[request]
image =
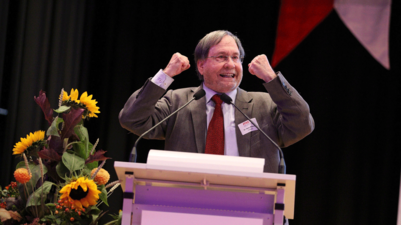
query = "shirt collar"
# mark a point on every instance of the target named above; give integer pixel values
(210, 93)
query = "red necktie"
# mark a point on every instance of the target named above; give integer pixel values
(215, 132)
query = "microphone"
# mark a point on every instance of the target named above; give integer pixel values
(281, 168)
(199, 94)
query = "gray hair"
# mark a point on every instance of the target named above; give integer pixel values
(211, 39)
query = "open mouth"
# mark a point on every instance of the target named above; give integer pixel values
(229, 75)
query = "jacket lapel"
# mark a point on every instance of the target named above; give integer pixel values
(198, 114)
(245, 104)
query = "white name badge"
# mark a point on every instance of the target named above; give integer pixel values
(247, 126)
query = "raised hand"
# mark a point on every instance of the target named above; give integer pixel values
(178, 63)
(261, 68)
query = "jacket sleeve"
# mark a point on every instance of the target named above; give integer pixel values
(144, 109)
(291, 117)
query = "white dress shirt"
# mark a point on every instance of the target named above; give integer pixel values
(230, 139)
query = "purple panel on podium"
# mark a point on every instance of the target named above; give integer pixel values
(207, 199)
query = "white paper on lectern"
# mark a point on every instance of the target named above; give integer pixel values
(196, 161)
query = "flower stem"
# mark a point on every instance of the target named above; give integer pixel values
(36, 207)
(42, 203)
(25, 192)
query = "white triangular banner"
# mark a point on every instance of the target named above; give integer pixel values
(369, 21)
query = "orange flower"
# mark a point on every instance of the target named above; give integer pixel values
(22, 175)
(102, 177)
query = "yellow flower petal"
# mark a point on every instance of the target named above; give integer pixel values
(90, 104)
(84, 202)
(86, 195)
(74, 94)
(65, 96)
(84, 187)
(78, 204)
(27, 142)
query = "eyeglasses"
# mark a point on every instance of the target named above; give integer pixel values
(224, 58)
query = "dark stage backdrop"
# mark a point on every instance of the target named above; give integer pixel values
(348, 169)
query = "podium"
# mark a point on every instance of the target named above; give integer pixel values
(192, 188)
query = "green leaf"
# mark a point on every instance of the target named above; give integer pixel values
(35, 198)
(62, 170)
(51, 205)
(21, 164)
(86, 172)
(92, 165)
(83, 135)
(73, 162)
(53, 129)
(62, 109)
(95, 212)
(116, 219)
(103, 195)
(82, 149)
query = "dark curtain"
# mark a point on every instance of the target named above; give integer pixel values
(348, 169)
(42, 50)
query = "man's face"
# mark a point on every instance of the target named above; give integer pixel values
(225, 76)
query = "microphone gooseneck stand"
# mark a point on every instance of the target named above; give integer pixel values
(199, 94)
(281, 167)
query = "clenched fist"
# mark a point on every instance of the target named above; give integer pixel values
(261, 68)
(178, 63)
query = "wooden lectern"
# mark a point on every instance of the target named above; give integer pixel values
(192, 188)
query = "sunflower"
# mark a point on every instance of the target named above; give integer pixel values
(80, 193)
(31, 140)
(90, 104)
(85, 102)
(72, 97)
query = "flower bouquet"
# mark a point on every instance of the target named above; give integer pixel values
(59, 180)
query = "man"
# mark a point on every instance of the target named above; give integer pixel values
(281, 113)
